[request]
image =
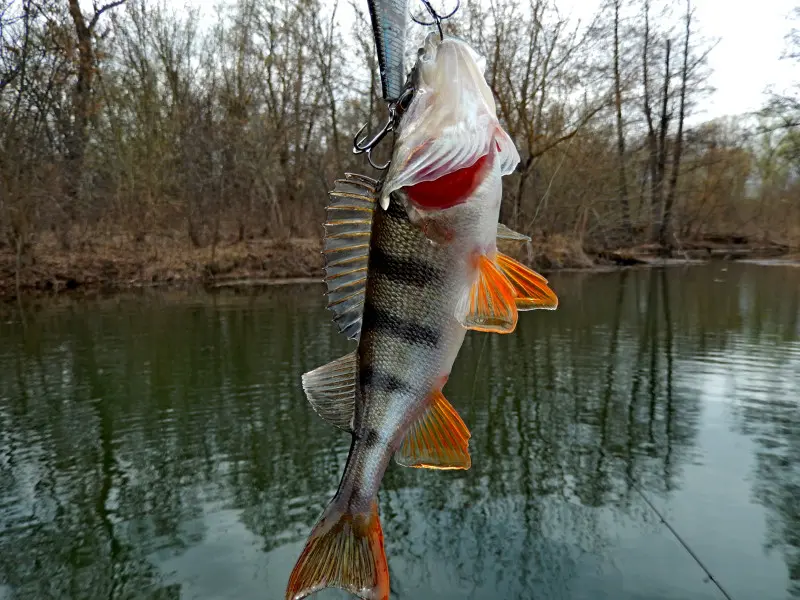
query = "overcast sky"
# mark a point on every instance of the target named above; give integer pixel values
(745, 62)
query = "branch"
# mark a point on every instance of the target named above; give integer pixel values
(7, 78)
(567, 136)
(101, 10)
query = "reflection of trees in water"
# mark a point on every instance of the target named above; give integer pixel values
(584, 400)
(769, 412)
(775, 427)
(120, 427)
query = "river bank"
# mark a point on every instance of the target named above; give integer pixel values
(121, 263)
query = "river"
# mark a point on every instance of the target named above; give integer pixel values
(158, 445)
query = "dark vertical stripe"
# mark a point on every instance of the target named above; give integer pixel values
(404, 270)
(406, 329)
(382, 382)
(372, 438)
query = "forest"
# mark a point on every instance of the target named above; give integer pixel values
(141, 141)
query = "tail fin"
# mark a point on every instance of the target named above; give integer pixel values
(344, 550)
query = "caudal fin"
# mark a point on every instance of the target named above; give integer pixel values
(344, 550)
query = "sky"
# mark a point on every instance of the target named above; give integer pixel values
(747, 58)
(745, 62)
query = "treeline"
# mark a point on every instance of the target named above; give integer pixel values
(134, 119)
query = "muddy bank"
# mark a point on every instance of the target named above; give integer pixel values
(712, 248)
(119, 264)
(111, 266)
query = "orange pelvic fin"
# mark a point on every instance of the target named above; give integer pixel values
(438, 439)
(345, 550)
(530, 288)
(489, 305)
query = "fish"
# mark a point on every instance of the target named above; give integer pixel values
(411, 265)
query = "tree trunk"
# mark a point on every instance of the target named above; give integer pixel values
(652, 144)
(81, 97)
(666, 223)
(82, 94)
(623, 184)
(661, 163)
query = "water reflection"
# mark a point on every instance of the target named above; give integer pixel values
(159, 446)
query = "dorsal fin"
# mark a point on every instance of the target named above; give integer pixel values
(331, 390)
(348, 227)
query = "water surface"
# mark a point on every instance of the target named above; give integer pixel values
(159, 446)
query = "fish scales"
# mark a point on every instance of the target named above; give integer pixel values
(411, 265)
(407, 334)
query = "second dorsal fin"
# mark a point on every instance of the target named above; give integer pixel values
(331, 390)
(348, 228)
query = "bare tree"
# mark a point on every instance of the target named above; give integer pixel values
(82, 95)
(623, 184)
(140, 129)
(666, 223)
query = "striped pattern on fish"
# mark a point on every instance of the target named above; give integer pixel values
(408, 341)
(407, 279)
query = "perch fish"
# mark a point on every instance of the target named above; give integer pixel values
(411, 265)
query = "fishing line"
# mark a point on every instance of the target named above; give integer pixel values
(477, 367)
(437, 18)
(677, 536)
(682, 542)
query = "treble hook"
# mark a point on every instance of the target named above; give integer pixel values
(361, 147)
(396, 109)
(437, 19)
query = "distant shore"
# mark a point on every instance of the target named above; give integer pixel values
(120, 264)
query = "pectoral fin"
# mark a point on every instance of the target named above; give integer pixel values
(489, 304)
(530, 289)
(438, 439)
(509, 235)
(331, 390)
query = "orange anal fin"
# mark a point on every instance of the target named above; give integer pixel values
(489, 305)
(530, 288)
(345, 551)
(438, 439)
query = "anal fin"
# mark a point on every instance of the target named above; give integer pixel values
(438, 439)
(331, 390)
(530, 289)
(489, 304)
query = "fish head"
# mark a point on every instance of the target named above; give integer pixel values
(451, 151)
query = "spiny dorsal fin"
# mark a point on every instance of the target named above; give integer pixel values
(530, 289)
(346, 248)
(331, 390)
(438, 439)
(489, 304)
